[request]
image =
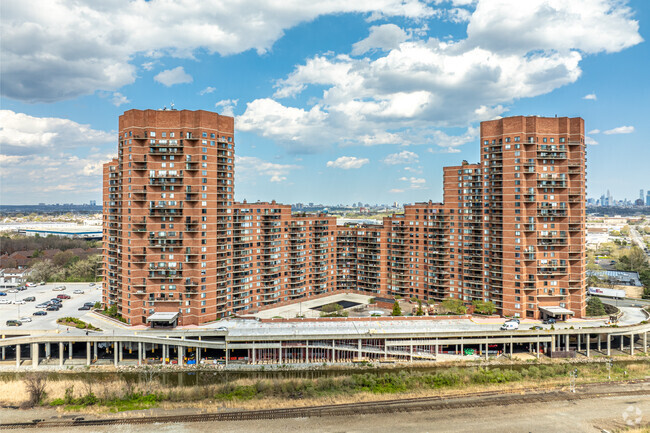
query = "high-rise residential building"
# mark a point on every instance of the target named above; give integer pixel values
(647, 198)
(178, 249)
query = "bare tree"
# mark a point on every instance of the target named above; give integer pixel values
(35, 383)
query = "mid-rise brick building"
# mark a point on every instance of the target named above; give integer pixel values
(178, 248)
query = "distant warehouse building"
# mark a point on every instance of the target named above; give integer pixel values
(72, 232)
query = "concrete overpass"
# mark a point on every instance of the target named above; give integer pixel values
(286, 345)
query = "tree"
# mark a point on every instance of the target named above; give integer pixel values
(35, 384)
(595, 307)
(454, 306)
(420, 311)
(43, 270)
(397, 311)
(482, 307)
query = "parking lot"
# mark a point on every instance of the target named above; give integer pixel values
(70, 307)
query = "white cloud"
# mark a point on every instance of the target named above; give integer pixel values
(169, 77)
(22, 134)
(415, 182)
(148, 66)
(604, 25)
(384, 37)
(227, 106)
(348, 162)
(250, 166)
(60, 49)
(590, 97)
(594, 131)
(298, 129)
(620, 130)
(403, 157)
(207, 90)
(396, 190)
(119, 99)
(591, 141)
(421, 84)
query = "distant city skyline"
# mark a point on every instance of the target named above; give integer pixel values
(338, 103)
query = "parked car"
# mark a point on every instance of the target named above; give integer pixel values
(56, 300)
(25, 319)
(90, 304)
(513, 320)
(12, 291)
(5, 301)
(59, 289)
(63, 296)
(536, 327)
(53, 308)
(84, 307)
(31, 284)
(91, 285)
(43, 305)
(29, 299)
(549, 321)
(78, 292)
(510, 326)
(3, 294)
(40, 313)
(21, 288)
(14, 323)
(19, 302)
(42, 283)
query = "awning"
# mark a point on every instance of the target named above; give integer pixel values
(556, 311)
(162, 317)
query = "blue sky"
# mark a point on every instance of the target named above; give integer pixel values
(335, 101)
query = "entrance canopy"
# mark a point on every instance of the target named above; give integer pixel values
(556, 311)
(163, 319)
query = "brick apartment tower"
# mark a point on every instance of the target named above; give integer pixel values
(534, 213)
(510, 230)
(167, 211)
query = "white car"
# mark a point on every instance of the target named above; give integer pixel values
(5, 301)
(30, 285)
(19, 301)
(78, 292)
(25, 319)
(59, 289)
(12, 291)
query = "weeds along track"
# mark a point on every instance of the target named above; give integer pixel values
(457, 401)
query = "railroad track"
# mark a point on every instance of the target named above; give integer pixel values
(458, 401)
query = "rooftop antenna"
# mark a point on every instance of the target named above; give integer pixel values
(172, 106)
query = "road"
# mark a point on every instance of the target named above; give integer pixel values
(631, 314)
(638, 239)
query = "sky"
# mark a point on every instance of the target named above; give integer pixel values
(334, 101)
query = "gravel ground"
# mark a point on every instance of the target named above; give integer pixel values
(581, 416)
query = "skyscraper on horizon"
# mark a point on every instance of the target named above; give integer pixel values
(179, 250)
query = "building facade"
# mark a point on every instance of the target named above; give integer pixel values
(510, 230)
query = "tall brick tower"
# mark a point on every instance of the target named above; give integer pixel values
(534, 214)
(167, 206)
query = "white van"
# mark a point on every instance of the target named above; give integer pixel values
(510, 326)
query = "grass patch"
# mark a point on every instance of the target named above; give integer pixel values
(76, 323)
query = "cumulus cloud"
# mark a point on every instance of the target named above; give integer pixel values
(403, 157)
(590, 97)
(227, 106)
(620, 130)
(207, 90)
(414, 182)
(594, 131)
(591, 141)
(348, 162)
(418, 85)
(169, 77)
(22, 134)
(119, 99)
(250, 166)
(384, 37)
(44, 59)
